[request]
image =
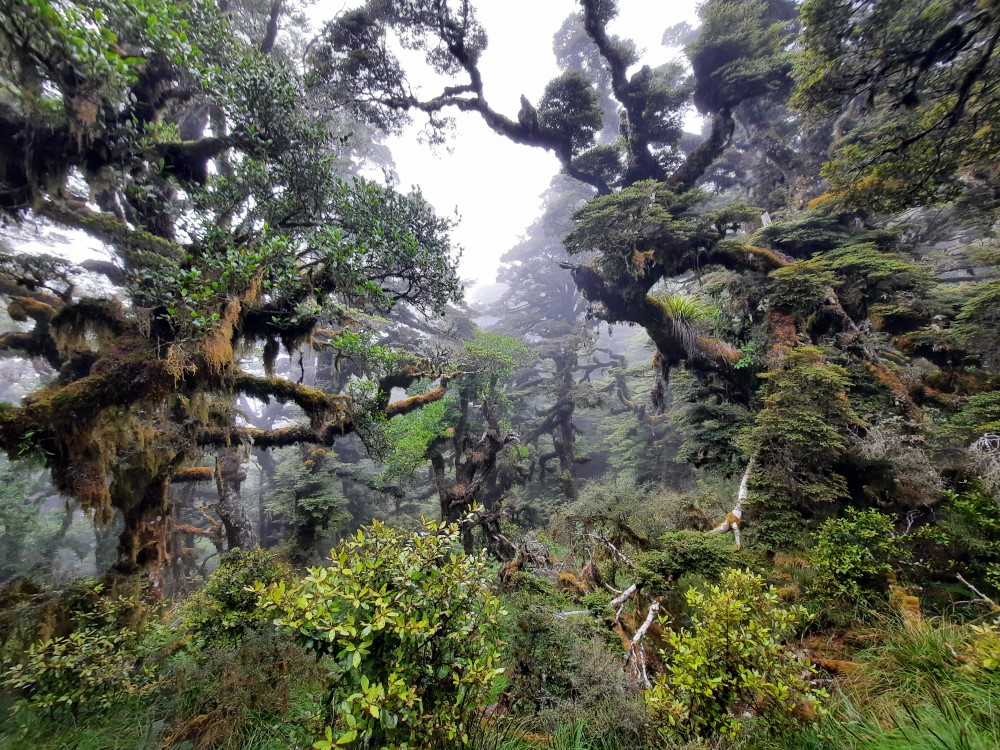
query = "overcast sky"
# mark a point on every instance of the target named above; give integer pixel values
(495, 184)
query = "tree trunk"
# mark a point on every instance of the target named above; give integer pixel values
(229, 475)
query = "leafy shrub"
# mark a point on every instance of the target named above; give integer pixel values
(604, 703)
(224, 693)
(538, 649)
(410, 629)
(852, 555)
(87, 666)
(683, 552)
(226, 607)
(969, 532)
(984, 648)
(732, 661)
(102, 660)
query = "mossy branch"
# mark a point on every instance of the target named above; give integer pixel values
(315, 403)
(139, 248)
(192, 474)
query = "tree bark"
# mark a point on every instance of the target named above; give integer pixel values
(229, 474)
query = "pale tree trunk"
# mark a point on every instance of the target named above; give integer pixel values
(735, 518)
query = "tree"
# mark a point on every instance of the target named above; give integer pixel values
(479, 406)
(541, 306)
(910, 90)
(218, 241)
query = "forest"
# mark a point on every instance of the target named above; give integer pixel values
(712, 462)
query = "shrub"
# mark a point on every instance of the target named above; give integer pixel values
(103, 660)
(984, 648)
(86, 667)
(732, 661)
(683, 552)
(852, 555)
(409, 626)
(226, 607)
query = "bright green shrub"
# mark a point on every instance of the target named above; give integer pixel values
(226, 607)
(683, 552)
(410, 629)
(852, 555)
(733, 660)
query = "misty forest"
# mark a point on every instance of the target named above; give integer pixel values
(711, 460)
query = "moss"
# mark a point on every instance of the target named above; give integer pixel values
(317, 405)
(135, 244)
(24, 308)
(192, 474)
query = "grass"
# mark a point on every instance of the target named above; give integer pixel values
(126, 726)
(914, 689)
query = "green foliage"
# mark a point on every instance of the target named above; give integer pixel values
(539, 646)
(801, 287)
(222, 611)
(709, 429)
(687, 309)
(30, 537)
(869, 272)
(646, 223)
(569, 106)
(853, 555)
(739, 54)
(800, 435)
(567, 669)
(733, 658)
(493, 355)
(86, 36)
(965, 538)
(103, 660)
(980, 413)
(409, 629)
(984, 648)
(979, 320)
(87, 667)
(926, 77)
(684, 552)
(410, 438)
(803, 235)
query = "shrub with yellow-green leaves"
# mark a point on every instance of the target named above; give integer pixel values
(87, 668)
(107, 657)
(852, 556)
(733, 660)
(408, 627)
(984, 648)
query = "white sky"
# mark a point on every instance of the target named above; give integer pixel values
(495, 184)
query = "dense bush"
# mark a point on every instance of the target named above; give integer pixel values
(968, 534)
(411, 632)
(225, 608)
(733, 660)
(852, 555)
(685, 552)
(103, 659)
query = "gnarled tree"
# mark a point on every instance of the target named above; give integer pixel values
(219, 239)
